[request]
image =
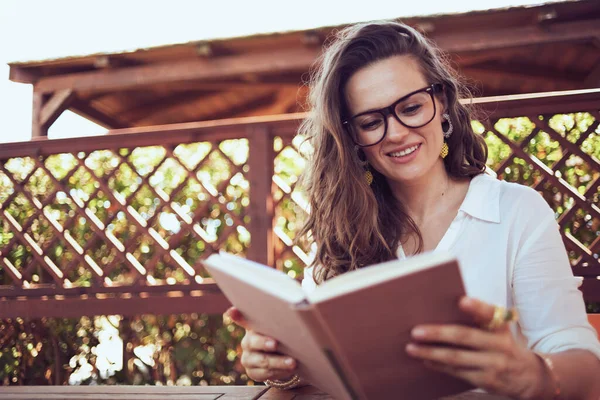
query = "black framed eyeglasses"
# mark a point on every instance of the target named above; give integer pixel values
(413, 110)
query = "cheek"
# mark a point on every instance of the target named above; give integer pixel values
(372, 154)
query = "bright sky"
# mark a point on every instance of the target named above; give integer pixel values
(41, 29)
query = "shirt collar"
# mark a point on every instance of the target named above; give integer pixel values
(483, 198)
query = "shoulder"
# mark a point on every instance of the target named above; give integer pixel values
(493, 200)
(492, 186)
(521, 201)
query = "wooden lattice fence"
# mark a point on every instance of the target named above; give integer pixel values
(118, 224)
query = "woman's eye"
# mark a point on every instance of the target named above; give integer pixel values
(370, 125)
(412, 109)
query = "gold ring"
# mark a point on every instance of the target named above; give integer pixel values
(502, 316)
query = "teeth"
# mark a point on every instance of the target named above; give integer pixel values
(405, 151)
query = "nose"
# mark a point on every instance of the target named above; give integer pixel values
(395, 130)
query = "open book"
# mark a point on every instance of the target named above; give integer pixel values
(349, 334)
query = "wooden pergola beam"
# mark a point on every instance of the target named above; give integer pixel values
(163, 105)
(593, 77)
(241, 108)
(271, 62)
(52, 108)
(524, 73)
(21, 75)
(37, 129)
(465, 59)
(107, 61)
(84, 110)
(203, 107)
(294, 59)
(521, 36)
(286, 101)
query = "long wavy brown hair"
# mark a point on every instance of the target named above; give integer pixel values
(354, 224)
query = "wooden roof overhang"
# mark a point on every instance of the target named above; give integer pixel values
(545, 48)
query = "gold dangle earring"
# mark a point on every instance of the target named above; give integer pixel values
(369, 177)
(447, 133)
(365, 165)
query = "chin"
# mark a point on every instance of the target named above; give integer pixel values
(406, 177)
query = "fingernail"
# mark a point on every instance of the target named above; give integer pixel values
(270, 344)
(289, 362)
(467, 301)
(411, 348)
(418, 333)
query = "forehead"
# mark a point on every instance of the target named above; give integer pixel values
(383, 82)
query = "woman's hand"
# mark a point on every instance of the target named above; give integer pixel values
(491, 360)
(259, 353)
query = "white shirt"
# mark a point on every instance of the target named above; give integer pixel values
(511, 254)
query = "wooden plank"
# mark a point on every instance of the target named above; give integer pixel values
(163, 135)
(465, 59)
(591, 289)
(138, 112)
(21, 75)
(210, 303)
(205, 108)
(523, 73)
(287, 101)
(310, 392)
(260, 161)
(591, 271)
(37, 291)
(305, 392)
(593, 77)
(84, 110)
(52, 108)
(518, 36)
(560, 102)
(37, 129)
(108, 61)
(106, 392)
(271, 62)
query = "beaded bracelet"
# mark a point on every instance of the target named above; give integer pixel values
(289, 384)
(549, 364)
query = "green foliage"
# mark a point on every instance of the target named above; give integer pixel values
(83, 194)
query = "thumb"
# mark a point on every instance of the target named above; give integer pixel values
(236, 316)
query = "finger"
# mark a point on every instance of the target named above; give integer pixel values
(262, 360)
(481, 312)
(261, 375)
(236, 316)
(460, 335)
(453, 357)
(253, 341)
(477, 377)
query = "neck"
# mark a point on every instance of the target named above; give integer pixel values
(421, 197)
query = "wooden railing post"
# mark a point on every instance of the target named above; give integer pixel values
(47, 108)
(260, 161)
(37, 129)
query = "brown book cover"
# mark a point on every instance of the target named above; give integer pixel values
(349, 334)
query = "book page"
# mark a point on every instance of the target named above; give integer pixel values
(372, 275)
(258, 275)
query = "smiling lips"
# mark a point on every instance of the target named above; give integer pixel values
(405, 152)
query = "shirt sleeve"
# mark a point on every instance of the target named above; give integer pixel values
(551, 307)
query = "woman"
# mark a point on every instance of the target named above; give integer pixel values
(385, 111)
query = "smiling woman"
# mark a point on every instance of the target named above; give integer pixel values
(397, 170)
